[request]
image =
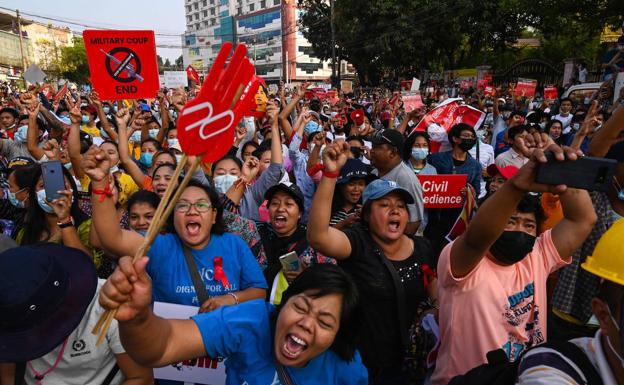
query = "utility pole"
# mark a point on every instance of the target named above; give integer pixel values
(333, 41)
(21, 43)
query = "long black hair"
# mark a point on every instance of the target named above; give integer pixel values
(324, 279)
(35, 224)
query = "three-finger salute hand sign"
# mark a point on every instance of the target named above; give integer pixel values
(206, 124)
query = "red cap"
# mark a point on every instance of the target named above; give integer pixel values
(506, 172)
(358, 117)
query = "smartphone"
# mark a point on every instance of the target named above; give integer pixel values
(290, 261)
(586, 173)
(53, 179)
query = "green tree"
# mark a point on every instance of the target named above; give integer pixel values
(161, 65)
(73, 63)
(179, 63)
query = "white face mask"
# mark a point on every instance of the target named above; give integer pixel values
(223, 183)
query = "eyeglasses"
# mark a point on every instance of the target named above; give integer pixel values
(185, 207)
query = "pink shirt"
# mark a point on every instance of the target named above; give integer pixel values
(493, 307)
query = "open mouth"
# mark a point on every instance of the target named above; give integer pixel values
(193, 228)
(394, 226)
(293, 346)
(280, 220)
(160, 191)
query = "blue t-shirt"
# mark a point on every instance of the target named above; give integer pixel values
(243, 334)
(172, 282)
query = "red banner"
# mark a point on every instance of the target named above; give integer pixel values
(122, 63)
(443, 191)
(526, 87)
(550, 93)
(412, 102)
(192, 74)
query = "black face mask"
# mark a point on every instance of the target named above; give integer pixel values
(357, 152)
(512, 246)
(467, 144)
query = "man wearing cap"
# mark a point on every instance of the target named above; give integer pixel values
(48, 307)
(387, 157)
(599, 359)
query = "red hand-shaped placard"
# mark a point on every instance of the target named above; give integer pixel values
(206, 124)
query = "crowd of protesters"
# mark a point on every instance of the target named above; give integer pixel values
(532, 292)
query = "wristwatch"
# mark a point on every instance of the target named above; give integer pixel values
(67, 223)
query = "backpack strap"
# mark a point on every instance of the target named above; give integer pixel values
(111, 375)
(583, 371)
(200, 288)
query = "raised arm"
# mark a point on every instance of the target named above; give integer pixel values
(116, 241)
(73, 140)
(578, 220)
(491, 219)
(605, 138)
(283, 116)
(323, 238)
(123, 117)
(32, 137)
(164, 117)
(150, 340)
(95, 100)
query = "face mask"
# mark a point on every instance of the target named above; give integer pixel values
(597, 128)
(172, 142)
(113, 169)
(356, 151)
(576, 126)
(543, 125)
(135, 137)
(20, 134)
(141, 232)
(103, 133)
(146, 159)
(512, 246)
(41, 200)
(14, 201)
(106, 110)
(153, 133)
(68, 165)
(178, 158)
(173, 114)
(83, 105)
(223, 183)
(85, 119)
(65, 119)
(467, 144)
(419, 153)
(311, 127)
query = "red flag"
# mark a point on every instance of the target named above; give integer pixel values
(61, 94)
(192, 74)
(464, 218)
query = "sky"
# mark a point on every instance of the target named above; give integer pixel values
(165, 17)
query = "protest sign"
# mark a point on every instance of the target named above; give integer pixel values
(550, 93)
(175, 79)
(443, 191)
(489, 91)
(412, 102)
(415, 85)
(526, 87)
(204, 370)
(273, 88)
(122, 63)
(346, 86)
(34, 74)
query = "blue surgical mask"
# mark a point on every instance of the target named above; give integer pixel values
(106, 110)
(65, 119)
(223, 183)
(21, 133)
(85, 119)
(141, 232)
(419, 153)
(14, 201)
(146, 159)
(172, 142)
(68, 165)
(153, 133)
(135, 137)
(103, 133)
(41, 200)
(311, 127)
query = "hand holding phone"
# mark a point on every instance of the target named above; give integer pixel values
(53, 179)
(586, 173)
(290, 262)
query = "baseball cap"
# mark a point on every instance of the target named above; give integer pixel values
(506, 172)
(391, 137)
(380, 188)
(18, 161)
(289, 188)
(354, 168)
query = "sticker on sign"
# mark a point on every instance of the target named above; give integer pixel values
(122, 63)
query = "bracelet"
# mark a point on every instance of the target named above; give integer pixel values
(236, 302)
(332, 175)
(68, 223)
(314, 169)
(105, 192)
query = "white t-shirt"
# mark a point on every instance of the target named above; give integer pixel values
(82, 362)
(565, 120)
(486, 158)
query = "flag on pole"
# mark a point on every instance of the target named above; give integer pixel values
(192, 74)
(464, 218)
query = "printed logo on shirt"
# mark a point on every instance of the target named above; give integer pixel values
(522, 310)
(275, 381)
(79, 346)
